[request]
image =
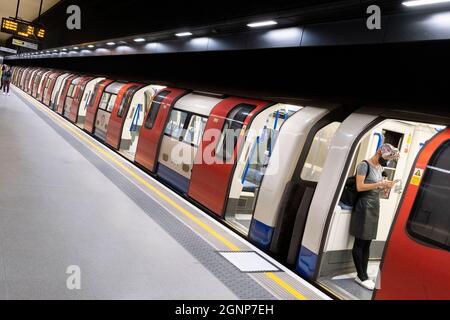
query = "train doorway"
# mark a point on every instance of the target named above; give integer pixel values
(337, 271)
(253, 162)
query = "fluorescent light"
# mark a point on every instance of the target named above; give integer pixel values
(415, 3)
(262, 24)
(139, 40)
(111, 43)
(91, 46)
(64, 49)
(75, 48)
(183, 34)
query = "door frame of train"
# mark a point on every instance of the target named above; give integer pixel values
(437, 140)
(61, 104)
(230, 103)
(379, 115)
(121, 94)
(96, 103)
(282, 242)
(178, 94)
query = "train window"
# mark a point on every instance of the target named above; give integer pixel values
(176, 124)
(104, 100)
(195, 129)
(80, 91)
(93, 97)
(318, 152)
(231, 130)
(154, 108)
(430, 217)
(111, 102)
(126, 100)
(70, 91)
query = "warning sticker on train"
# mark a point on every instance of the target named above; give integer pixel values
(417, 177)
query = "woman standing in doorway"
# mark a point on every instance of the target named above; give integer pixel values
(366, 212)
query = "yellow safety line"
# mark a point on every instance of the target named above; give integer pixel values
(200, 223)
(285, 286)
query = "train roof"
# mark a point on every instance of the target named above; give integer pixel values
(197, 103)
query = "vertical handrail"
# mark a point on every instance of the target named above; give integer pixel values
(135, 121)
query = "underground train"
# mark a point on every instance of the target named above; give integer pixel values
(275, 172)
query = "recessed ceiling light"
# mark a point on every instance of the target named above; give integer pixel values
(91, 46)
(183, 34)
(110, 43)
(64, 49)
(75, 48)
(262, 24)
(139, 40)
(415, 3)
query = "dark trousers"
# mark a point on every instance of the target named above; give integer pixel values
(5, 86)
(361, 254)
(1, 86)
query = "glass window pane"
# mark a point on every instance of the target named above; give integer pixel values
(94, 96)
(430, 217)
(126, 100)
(104, 100)
(231, 130)
(195, 130)
(154, 108)
(176, 123)
(111, 102)
(318, 152)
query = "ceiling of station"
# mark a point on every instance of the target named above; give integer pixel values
(28, 10)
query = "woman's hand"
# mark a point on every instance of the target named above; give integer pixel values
(386, 184)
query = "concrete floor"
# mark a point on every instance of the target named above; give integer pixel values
(57, 209)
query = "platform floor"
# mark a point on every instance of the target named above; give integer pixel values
(65, 200)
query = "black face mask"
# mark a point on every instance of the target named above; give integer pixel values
(383, 162)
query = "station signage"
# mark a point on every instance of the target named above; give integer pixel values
(23, 29)
(25, 44)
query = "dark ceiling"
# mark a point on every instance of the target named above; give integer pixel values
(104, 19)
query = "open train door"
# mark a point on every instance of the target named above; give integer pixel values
(421, 233)
(214, 165)
(151, 134)
(94, 101)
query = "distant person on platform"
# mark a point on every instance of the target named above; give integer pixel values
(6, 80)
(2, 70)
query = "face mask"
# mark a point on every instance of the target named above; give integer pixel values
(383, 162)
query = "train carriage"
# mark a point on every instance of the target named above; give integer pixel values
(40, 87)
(84, 92)
(181, 138)
(422, 227)
(93, 104)
(322, 251)
(49, 87)
(127, 118)
(36, 82)
(151, 133)
(275, 172)
(60, 100)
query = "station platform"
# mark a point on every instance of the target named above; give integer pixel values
(67, 200)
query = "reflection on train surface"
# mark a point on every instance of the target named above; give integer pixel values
(275, 172)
